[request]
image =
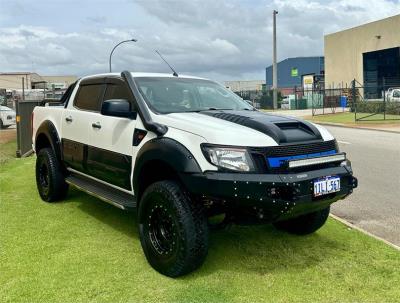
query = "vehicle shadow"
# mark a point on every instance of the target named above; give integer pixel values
(263, 249)
(123, 221)
(259, 249)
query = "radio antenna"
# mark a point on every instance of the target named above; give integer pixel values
(175, 74)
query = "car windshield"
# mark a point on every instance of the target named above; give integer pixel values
(177, 95)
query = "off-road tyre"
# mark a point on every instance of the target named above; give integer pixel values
(50, 179)
(173, 229)
(1, 124)
(305, 224)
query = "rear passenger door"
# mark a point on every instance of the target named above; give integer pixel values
(75, 124)
(110, 149)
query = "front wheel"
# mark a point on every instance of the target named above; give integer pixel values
(173, 229)
(305, 224)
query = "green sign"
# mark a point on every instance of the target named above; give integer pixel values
(294, 72)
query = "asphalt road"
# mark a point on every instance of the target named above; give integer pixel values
(375, 204)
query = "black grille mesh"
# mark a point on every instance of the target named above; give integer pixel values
(295, 149)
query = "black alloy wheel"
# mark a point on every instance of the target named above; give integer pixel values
(173, 229)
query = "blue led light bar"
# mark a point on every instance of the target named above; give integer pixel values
(278, 161)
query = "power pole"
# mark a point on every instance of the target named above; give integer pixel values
(274, 67)
(23, 89)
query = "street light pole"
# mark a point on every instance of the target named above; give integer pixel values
(274, 66)
(130, 40)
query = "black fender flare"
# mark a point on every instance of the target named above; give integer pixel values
(48, 129)
(167, 150)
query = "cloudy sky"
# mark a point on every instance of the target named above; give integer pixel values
(223, 40)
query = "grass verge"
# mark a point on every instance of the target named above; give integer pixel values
(348, 118)
(83, 250)
(7, 151)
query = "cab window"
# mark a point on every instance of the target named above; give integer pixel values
(89, 97)
(116, 91)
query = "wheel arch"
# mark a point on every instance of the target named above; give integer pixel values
(47, 136)
(161, 159)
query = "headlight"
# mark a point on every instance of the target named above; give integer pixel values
(231, 158)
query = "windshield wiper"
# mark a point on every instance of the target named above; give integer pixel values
(205, 109)
(215, 108)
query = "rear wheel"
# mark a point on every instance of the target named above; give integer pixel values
(173, 230)
(305, 224)
(50, 179)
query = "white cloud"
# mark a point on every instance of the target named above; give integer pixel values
(217, 39)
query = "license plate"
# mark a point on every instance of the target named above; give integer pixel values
(326, 185)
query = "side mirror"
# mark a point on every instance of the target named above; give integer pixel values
(117, 108)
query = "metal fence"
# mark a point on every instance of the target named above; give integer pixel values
(323, 101)
(371, 102)
(24, 111)
(377, 101)
(259, 98)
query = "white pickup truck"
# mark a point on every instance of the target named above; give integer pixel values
(181, 150)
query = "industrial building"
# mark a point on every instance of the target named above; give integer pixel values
(368, 53)
(244, 85)
(31, 80)
(32, 86)
(292, 70)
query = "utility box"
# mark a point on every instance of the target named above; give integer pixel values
(343, 101)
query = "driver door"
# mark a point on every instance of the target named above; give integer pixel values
(110, 147)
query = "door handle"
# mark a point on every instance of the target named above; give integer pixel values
(96, 125)
(68, 119)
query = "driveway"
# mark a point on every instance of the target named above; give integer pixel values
(8, 134)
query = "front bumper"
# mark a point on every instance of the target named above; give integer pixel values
(274, 196)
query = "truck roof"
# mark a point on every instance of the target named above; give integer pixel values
(141, 74)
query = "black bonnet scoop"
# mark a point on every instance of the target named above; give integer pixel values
(282, 129)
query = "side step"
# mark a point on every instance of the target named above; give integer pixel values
(102, 191)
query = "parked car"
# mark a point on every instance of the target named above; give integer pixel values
(180, 150)
(285, 103)
(393, 94)
(7, 117)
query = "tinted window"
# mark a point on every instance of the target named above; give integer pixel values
(116, 91)
(89, 97)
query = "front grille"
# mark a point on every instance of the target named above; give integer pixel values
(295, 149)
(260, 154)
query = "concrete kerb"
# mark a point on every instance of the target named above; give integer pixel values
(352, 226)
(357, 127)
